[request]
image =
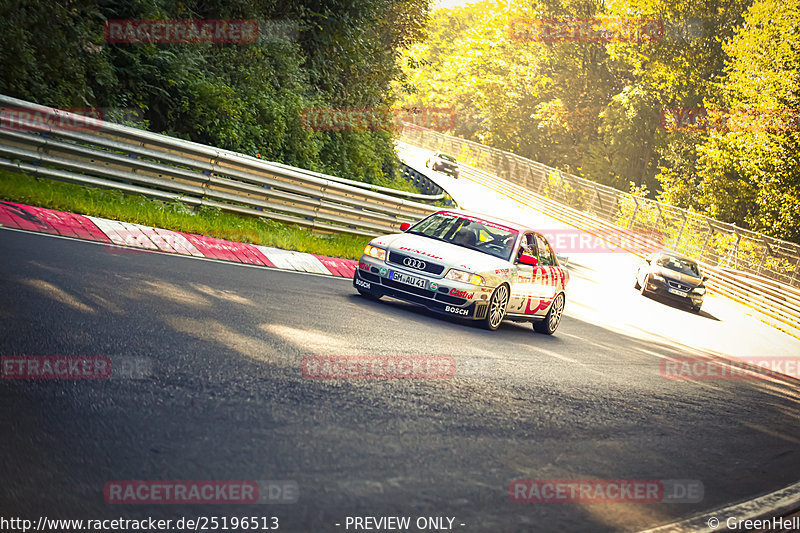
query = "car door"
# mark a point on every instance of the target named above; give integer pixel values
(522, 282)
(548, 278)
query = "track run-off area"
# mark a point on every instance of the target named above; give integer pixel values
(222, 395)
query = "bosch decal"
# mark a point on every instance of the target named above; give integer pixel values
(364, 284)
(456, 310)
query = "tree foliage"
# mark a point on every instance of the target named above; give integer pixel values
(247, 97)
(597, 108)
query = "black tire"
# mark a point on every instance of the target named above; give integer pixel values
(552, 319)
(497, 308)
(636, 285)
(696, 310)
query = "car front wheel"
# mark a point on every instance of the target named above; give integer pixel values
(551, 321)
(497, 308)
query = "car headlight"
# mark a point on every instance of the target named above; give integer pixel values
(699, 290)
(374, 251)
(657, 277)
(465, 277)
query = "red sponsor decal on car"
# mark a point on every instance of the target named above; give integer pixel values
(420, 252)
(502, 271)
(461, 294)
(363, 266)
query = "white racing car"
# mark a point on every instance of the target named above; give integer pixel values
(469, 266)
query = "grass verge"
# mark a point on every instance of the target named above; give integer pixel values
(112, 204)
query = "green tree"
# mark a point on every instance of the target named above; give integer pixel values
(749, 167)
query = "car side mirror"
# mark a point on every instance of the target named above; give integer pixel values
(647, 260)
(705, 278)
(526, 259)
(404, 226)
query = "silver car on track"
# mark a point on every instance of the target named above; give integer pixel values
(468, 266)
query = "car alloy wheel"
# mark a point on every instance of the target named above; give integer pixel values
(497, 307)
(550, 323)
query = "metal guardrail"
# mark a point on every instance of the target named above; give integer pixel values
(111, 155)
(711, 241)
(424, 182)
(530, 182)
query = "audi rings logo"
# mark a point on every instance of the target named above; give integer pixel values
(410, 262)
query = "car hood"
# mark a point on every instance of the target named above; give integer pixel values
(445, 253)
(677, 276)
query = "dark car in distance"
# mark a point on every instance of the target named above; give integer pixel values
(444, 163)
(673, 276)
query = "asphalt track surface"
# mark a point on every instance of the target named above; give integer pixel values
(225, 400)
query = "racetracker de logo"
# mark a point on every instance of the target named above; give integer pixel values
(606, 490)
(181, 31)
(698, 119)
(605, 29)
(567, 241)
(377, 118)
(66, 119)
(700, 369)
(55, 367)
(378, 367)
(200, 492)
(75, 367)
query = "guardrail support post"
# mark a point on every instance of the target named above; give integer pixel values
(680, 233)
(635, 210)
(705, 242)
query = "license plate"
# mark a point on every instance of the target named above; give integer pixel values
(677, 292)
(408, 280)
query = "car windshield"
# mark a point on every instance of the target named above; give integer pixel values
(684, 266)
(469, 232)
(447, 158)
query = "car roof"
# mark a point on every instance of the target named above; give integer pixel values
(676, 255)
(502, 221)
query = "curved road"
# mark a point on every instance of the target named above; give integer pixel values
(225, 399)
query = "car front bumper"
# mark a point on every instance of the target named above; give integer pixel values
(662, 288)
(373, 276)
